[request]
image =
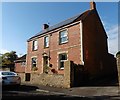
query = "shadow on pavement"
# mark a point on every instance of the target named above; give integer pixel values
(62, 97)
(19, 88)
(101, 82)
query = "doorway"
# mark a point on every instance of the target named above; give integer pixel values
(45, 64)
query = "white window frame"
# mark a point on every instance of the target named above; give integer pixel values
(35, 45)
(62, 60)
(64, 36)
(46, 41)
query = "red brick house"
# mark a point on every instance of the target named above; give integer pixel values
(81, 39)
(20, 64)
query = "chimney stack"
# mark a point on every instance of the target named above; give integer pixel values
(92, 5)
(45, 26)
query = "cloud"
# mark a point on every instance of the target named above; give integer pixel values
(2, 51)
(113, 46)
(112, 32)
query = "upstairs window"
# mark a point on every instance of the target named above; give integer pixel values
(46, 42)
(62, 59)
(63, 36)
(35, 45)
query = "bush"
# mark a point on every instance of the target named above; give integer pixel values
(54, 71)
(34, 68)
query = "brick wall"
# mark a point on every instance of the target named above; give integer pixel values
(94, 44)
(19, 68)
(98, 62)
(72, 48)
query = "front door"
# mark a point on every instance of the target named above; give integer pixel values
(45, 64)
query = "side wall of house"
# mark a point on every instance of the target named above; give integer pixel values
(72, 48)
(95, 45)
(19, 68)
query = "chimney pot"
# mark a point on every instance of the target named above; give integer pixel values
(45, 26)
(92, 5)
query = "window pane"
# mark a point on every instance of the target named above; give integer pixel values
(35, 45)
(62, 58)
(23, 64)
(63, 36)
(64, 39)
(8, 73)
(46, 41)
(34, 61)
(61, 64)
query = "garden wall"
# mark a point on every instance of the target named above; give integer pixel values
(44, 79)
(72, 77)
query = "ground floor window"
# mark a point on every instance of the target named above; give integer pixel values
(62, 59)
(23, 64)
(34, 63)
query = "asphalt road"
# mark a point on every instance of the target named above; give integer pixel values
(37, 93)
(33, 93)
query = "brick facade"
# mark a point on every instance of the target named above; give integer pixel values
(20, 64)
(72, 48)
(19, 68)
(87, 45)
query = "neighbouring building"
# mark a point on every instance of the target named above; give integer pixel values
(20, 64)
(81, 39)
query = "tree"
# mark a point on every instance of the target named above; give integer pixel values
(8, 58)
(118, 53)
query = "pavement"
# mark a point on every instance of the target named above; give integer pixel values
(40, 92)
(107, 92)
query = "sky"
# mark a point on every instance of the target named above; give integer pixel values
(22, 20)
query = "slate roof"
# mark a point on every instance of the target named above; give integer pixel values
(63, 23)
(23, 58)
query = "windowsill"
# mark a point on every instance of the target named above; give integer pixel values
(63, 43)
(46, 47)
(35, 50)
(23, 66)
(61, 68)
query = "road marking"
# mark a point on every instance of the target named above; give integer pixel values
(58, 93)
(46, 91)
